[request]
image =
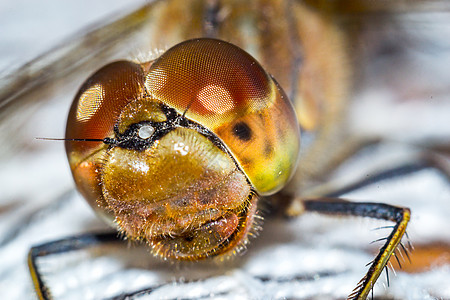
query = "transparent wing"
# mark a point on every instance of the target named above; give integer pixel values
(397, 80)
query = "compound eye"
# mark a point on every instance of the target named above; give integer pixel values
(225, 89)
(213, 80)
(98, 104)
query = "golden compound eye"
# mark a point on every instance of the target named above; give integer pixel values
(223, 88)
(146, 131)
(98, 105)
(93, 115)
(187, 147)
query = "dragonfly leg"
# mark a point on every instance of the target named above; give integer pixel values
(61, 246)
(428, 160)
(340, 207)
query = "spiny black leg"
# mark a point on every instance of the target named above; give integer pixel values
(399, 215)
(294, 207)
(61, 246)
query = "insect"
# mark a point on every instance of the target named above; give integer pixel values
(306, 123)
(164, 141)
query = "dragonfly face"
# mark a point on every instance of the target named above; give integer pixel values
(184, 146)
(312, 71)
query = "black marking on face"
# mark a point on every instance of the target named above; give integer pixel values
(242, 131)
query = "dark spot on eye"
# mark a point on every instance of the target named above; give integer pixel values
(242, 131)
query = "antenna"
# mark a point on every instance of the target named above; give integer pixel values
(105, 140)
(188, 106)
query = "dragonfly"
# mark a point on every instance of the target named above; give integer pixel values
(345, 70)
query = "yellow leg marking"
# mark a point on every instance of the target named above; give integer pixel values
(363, 289)
(41, 293)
